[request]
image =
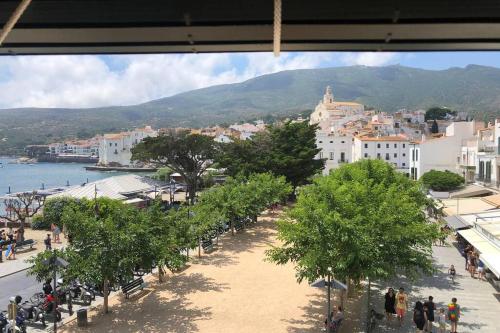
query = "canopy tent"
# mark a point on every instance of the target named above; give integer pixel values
(489, 253)
(470, 191)
(456, 223)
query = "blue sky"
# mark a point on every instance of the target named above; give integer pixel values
(90, 81)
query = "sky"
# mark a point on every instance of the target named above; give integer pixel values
(103, 80)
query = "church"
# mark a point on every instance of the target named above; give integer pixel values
(329, 109)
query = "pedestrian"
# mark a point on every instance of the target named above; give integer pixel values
(452, 273)
(52, 229)
(442, 321)
(472, 265)
(430, 306)
(390, 303)
(57, 232)
(401, 305)
(419, 316)
(47, 242)
(480, 269)
(47, 287)
(10, 254)
(453, 314)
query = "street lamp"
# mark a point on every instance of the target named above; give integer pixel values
(172, 190)
(55, 261)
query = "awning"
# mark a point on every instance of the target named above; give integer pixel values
(489, 254)
(456, 223)
(466, 206)
(470, 191)
(492, 199)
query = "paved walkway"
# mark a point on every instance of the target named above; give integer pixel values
(479, 301)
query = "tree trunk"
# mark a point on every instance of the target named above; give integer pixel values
(105, 290)
(199, 247)
(22, 222)
(232, 227)
(192, 191)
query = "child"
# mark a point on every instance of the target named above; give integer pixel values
(452, 273)
(442, 321)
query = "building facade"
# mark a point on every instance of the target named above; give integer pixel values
(392, 149)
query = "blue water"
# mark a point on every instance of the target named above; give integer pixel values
(26, 177)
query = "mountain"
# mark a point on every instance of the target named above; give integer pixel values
(475, 89)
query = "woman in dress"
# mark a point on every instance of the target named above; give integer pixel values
(390, 303)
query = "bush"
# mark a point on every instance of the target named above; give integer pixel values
(441, 180)
(39, 223)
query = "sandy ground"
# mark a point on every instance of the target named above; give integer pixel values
(229, 290)
(38, 236)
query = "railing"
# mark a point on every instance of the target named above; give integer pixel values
(343, 161)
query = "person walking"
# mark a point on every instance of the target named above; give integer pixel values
(48, 243)
(57, 232)
(453, 314)
(480, 269)
(441, 319)
(430, 307)
(419, 316)
(472, 265)
(452, 273)
(401, 305)
(390, 303)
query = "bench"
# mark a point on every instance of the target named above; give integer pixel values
(133, 286)
(207, 244)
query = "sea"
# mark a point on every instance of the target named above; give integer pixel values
(35, 176)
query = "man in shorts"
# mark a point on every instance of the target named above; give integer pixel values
(401, 305)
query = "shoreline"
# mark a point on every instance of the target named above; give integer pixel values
(124, 169)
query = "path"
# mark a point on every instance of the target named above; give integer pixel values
(479, 300)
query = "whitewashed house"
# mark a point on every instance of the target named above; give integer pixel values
(115, 149)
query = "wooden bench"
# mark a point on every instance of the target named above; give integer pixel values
(207, 244)
(133, 286)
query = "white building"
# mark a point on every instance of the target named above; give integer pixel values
(329, 109)
(393, 149)
(441, 153)
(115, 149)
(336, 149)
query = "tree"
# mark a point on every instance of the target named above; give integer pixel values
(286, 150)
(52, 212)
(434, 127)
(22, 206)
(441, 180)
(188, 154)
(104, 241)
(438, 113)
(364, 220)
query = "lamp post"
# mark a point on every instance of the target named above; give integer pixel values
(329, 286)
(172, 190)
(55, 261)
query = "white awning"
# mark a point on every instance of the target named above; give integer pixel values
(489, 254)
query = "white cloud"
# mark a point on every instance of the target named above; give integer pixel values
(88, 81)
(370, 58)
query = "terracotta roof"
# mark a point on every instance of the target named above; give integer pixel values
(114, 136)
(348, 103)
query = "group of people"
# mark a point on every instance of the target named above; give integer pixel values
(473, 263)
(8, 241)
(424, 317)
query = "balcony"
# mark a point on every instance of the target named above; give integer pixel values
(343, 161)
(488, 149)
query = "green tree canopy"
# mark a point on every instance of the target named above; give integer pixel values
(441, 180)
(188, 154)
(438, 113)
(287, 149)
(364, 220)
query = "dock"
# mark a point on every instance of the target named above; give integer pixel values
(122, 169)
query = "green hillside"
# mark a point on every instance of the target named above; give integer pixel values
(475, 89)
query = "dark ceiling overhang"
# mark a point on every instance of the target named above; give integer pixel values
(154, 26)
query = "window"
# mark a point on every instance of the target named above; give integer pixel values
(321, 155)
(366, 145)
(404, 145)
(386, 145)
(331, 155)
(404, 154)
(404, 164)
(116, 144)
(366, 155)
(321, 142)
(395, 155)
(395, 145)
(378, 156)
(110, 144)
(116, 151)
(416, 155)
(378, 145)
(387, 156)
(342, 141)
(342, 157)
(331, 141)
